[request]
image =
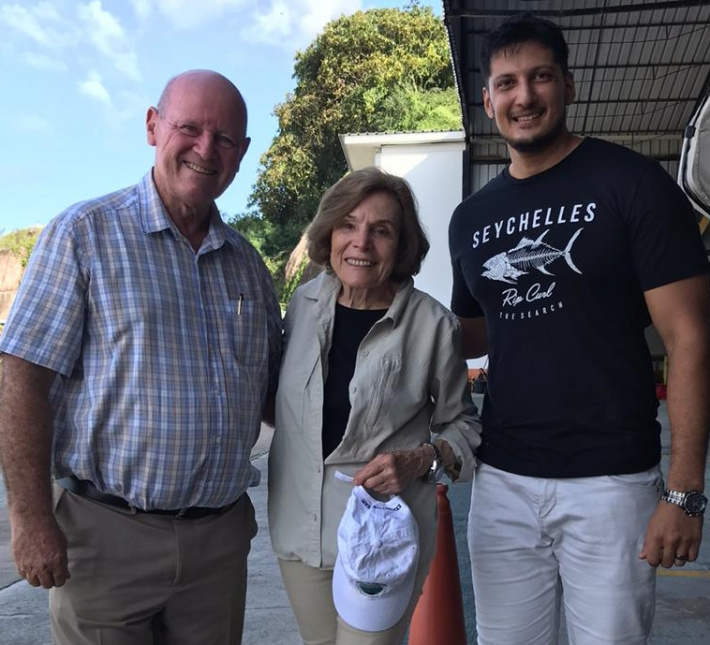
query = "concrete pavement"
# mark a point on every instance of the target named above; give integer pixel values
(682, 608)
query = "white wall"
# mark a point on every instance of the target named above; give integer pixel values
(435, 174)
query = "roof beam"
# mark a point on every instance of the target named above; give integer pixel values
(689, 64)
(639, 7)
(607, 27)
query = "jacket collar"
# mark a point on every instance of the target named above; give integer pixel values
(324, 290)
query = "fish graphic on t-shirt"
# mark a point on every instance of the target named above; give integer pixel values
(528, 254)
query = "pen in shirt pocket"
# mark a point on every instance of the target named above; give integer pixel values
(240, 302)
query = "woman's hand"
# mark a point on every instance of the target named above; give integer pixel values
(390, 473)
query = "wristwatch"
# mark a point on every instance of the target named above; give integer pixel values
(693, 502)
(436, 470)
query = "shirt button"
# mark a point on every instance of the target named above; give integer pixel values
(365, 352)
(315, 518)
(218, 440)
(354, 390)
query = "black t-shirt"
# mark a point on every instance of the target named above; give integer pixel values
(558, 264)
(350, 326)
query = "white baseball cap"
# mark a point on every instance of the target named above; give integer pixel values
(378, 554)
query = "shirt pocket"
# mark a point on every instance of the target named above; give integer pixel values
(382, 392)
(250, 342)
(299, 398)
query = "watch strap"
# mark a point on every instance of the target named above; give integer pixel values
(681, 499)
(437, 465)
(673, 497)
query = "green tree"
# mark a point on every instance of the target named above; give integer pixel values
(273, 241)
(374, 71)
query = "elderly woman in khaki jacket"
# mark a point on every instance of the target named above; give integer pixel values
(372, 385)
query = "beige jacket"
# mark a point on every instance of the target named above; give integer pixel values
(409, 381)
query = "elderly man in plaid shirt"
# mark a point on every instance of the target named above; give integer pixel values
(136, 364)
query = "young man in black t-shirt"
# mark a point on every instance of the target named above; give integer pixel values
(559, 264)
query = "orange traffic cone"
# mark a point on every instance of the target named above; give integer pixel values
(438, 618)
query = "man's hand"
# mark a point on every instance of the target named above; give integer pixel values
(671, 533)
(390, 473)
(40, 551)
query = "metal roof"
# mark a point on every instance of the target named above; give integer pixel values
(639, 66)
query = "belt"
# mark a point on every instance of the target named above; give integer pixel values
(84, 488)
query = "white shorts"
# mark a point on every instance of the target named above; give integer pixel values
(530, 539)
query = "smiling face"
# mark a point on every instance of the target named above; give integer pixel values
(199, 136)
(527, 94)
(363, 252)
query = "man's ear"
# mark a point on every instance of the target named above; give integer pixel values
(570, 89)
(243, 150)
(487, 105)
(151, 123)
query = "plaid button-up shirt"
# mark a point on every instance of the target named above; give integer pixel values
(164, 354)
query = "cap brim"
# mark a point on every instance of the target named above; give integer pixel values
(370, 613)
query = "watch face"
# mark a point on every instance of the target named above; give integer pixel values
(695, 503)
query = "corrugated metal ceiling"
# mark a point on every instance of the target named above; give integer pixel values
(639, 67)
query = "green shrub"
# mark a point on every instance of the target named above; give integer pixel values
(20, 243)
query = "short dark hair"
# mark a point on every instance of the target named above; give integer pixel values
(345, 195)
(524, 28)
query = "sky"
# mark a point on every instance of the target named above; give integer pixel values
(79, 75)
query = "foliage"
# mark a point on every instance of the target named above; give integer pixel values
(374, 71)
(413, 110)
(293, 282)
(274, 242)
(20, 243)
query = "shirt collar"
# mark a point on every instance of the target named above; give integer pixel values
(155, 218)
(324, 289)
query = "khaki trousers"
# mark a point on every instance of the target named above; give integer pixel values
(310, 594)
(142, 579)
